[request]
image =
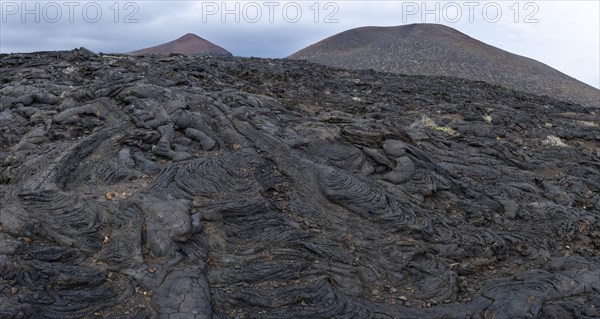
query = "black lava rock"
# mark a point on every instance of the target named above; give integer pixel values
(207, 187)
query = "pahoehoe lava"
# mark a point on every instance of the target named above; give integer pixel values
(220, 187)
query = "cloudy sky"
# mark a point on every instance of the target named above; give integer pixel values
(562, 34)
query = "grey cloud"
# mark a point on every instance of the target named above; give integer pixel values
(162, 21)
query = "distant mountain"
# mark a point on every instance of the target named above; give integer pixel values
(432, 49)
(189, 44)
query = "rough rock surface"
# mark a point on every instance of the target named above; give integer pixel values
(434, 49)
(203, 187)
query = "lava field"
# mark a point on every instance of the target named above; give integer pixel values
(223, 187)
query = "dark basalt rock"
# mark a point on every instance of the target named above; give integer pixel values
(204, 187)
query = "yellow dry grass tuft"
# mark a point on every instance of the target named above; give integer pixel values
(552, 140)
(427, 122)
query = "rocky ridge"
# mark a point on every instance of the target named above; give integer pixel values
(204, 187)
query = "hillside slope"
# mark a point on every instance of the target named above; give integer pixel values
(432, 49)
(189, 44)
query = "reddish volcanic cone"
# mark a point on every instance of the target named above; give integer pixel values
(189, 44)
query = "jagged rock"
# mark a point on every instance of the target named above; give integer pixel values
(281, 189)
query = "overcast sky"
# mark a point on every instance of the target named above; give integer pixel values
(562, 34)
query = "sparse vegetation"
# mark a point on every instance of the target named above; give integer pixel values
(426, 122)
(588, 123)
(552, 140)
